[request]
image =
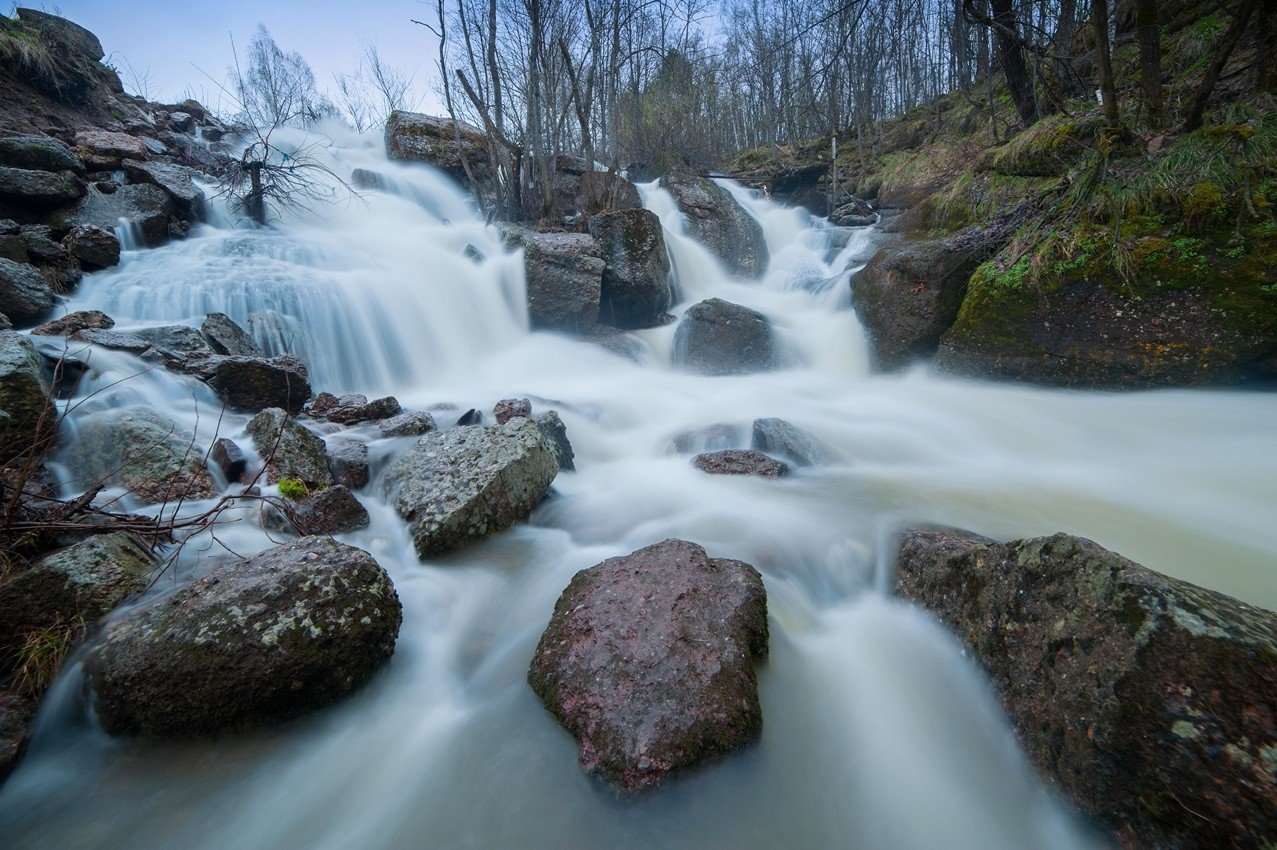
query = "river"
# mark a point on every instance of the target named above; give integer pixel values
(878, 733)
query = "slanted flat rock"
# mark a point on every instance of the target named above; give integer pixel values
(25, 296)
(80, 583)
(459, 485)
(255, 383)
(776, 436)
(29, 419)
(648, 660)
(740, 462)
(719, 223)
(290, 449)
(255, 642)
(141, 451)
(1147, 700)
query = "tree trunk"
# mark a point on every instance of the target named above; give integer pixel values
(1266, 46)
(1148, 34)
(1104, 59)
(1006, 31)
(1197, 110)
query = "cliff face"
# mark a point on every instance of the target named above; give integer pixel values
(1147, 262)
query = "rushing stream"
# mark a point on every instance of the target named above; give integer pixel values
(878, 732)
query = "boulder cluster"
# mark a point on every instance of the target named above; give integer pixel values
(88, 161)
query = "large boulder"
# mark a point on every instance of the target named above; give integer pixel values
(224, 336)
(648, 660)
(637, 285)
(1149, 701)
(25, 296)
(27, 416)
(564, 276)
(39, 190)
(139, 450)
(145, 209)
(78, 584)
(603, 192)
(719, 223)
(290, 629)
(457, 486)
(910, 292)
(1100, 332)
(59, 32)
(94, 247)
(445, 144)
(290, 449)
(176, 180)
(38, 153)
(717, 337)
(255, 383)
(107, 148)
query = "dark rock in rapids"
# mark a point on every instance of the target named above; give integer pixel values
(740, 462)
(230, 459)
(470, 417)
(512, 408)
(255, 383)
(648, 660)
(637, 286)
(290, 449)
(719, 223)
(224, 336)
(556, 435)
(776, 436)
(459, 485)
(77, 321)
(16, 712)
(176, 180)
(93, 247)
(30, 420)
(348, 461)
(333, 510)
(716, 337)
(414, 423)
(1147, 700)
(25, 295)
(141, 451)
(564, 276)
(79, 583)
(251, 643)
(910, 292)
(147, 208)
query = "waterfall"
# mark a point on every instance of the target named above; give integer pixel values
(879, 731)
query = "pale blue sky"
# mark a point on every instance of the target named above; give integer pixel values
(172, 38)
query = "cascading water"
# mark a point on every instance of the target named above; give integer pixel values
(879, 733)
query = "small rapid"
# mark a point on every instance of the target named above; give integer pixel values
(878, 732)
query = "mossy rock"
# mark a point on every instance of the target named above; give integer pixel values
(1049, 148)
(1183, 311)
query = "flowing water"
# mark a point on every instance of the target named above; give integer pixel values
(879, 732)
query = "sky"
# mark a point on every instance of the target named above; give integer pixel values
(180, 42)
